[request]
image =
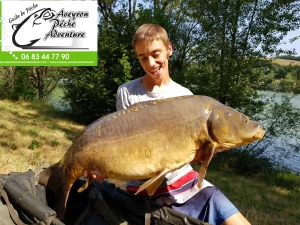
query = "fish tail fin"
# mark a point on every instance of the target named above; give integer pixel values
(50, 177)
(61, 198)
(209, 152)
(54, 179)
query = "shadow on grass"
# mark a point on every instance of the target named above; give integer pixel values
(49, 110)
(33, 116)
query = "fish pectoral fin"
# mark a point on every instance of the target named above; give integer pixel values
(152, 184)
(83, 187)
(89, 180)
(209, 152)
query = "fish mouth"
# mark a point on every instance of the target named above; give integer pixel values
(260, 134)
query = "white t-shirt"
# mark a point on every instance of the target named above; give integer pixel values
(133, 92)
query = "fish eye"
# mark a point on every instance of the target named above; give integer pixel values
(228, 113)
(36, 15)
(244, 119)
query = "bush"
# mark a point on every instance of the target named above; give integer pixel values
(263, 168)
(243, 162)
(22, 88)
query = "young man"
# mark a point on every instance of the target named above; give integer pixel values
(179, 190)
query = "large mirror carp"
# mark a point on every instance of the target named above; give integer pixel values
(150, 139)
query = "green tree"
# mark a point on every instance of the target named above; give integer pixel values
(86, 93)
(289, 57)
(22, 88)
(7, 76)
(44, 79)
(29, 82)
(236, 35)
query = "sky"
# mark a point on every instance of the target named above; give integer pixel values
(295, 44)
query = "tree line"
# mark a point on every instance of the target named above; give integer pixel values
(289, 57)
(221, 49)
(280, 78)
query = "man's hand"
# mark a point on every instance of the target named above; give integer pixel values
(95, 175)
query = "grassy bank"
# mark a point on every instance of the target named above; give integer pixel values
(262, 200)
(32, 133)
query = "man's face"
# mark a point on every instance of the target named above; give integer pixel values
(153, 56)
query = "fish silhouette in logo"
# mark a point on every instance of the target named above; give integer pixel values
(33, 28)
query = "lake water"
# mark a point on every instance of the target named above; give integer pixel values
(291, 161)
(278, 96)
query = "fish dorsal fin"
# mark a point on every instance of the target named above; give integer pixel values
(152, 184)
(209, 152)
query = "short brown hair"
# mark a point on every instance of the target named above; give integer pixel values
(150, 32)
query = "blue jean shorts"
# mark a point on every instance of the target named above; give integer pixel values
(209, 205)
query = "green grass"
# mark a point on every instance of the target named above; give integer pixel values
(269, 196)
(260, 202)
(32, 133)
